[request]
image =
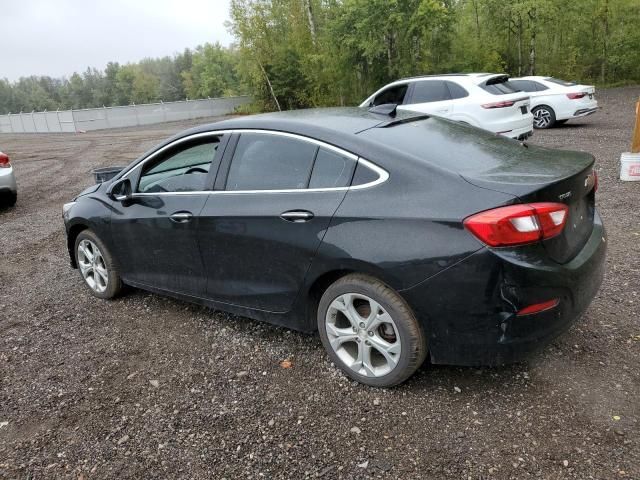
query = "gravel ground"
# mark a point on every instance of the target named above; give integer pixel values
(149, 387)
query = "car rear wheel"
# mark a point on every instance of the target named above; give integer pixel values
(370, 332)
(543, 117)
(97, 266)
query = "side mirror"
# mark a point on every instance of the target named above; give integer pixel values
(120, 191)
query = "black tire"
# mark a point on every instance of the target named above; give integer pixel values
(411, 337)
(114, 282)
(8, 199)
(543, 117)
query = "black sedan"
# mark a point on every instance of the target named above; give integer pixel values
(396, 236)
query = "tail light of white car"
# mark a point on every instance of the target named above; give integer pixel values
(4, 160)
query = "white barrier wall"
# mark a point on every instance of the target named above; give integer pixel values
(116, 117)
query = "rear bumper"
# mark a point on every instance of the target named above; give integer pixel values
(469, 310)
(583, 112)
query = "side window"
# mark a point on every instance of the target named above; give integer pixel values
(538, 86)
(331, 170)
(426, 91)
(393, 94)
(456, 90)
(363, 175)
(521, 85)
(270, 162)
(182, 170)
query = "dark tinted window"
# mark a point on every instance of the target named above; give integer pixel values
(331, 170)
(539, 87)
(523, 85)
(391, 95)
(270, 162)
(363, 175)
(430, 91)
(184, 170)
(499, 86)
(557, 81)
(456, 90)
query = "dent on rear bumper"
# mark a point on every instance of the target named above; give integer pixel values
(469, 311)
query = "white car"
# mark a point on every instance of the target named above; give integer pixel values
(484, 100)
(8, 187)
(556, 101)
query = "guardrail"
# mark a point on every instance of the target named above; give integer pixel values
(116, 117)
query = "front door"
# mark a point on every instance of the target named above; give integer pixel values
(155, 234)
(259, 234)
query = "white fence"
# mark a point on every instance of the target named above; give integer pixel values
(116, 117)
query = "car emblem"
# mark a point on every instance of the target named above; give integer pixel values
(564, 196)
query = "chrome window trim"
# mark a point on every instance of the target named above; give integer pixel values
(383, 175)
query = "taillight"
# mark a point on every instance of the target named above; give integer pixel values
(576, 96)
(518, 224)
(4, 160)
(504, 104)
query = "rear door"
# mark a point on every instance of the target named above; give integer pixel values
(430, 96)
(261, 228)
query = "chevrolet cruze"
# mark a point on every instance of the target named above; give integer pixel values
(397, 236)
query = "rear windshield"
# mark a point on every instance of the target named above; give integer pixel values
(557, 81)
(499, 86)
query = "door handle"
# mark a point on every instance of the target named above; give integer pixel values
(181, 217)
(297, 216)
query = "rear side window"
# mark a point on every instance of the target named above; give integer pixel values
(393, 94)
(270, 162)
(363, 175)
(456, 90)
(426, 91)
(331, 170)
(499, 86)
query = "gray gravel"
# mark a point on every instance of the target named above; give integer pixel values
(149, 387)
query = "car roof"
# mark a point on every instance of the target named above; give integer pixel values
(338, 121)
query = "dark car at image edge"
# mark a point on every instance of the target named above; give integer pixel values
(394, 236)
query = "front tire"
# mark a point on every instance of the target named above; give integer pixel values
(96, 266)
(370, 332)
(543, 117)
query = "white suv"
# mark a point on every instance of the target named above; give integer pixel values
(556, 101)
(483, 100)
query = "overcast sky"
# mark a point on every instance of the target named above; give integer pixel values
(59, 37)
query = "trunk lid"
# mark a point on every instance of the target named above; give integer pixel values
(544, 175)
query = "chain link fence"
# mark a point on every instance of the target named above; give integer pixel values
(117, 117)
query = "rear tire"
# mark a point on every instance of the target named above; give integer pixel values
(370, 332)
(8, 199)
(96, 265)
(543, 117)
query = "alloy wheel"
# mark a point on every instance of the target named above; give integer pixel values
(363, 335)
(541, 118)
(92, 266)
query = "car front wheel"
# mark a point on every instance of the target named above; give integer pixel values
(96, 266)
(543, 117)
(370, 332)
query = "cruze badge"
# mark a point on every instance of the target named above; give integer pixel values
(564, 196)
